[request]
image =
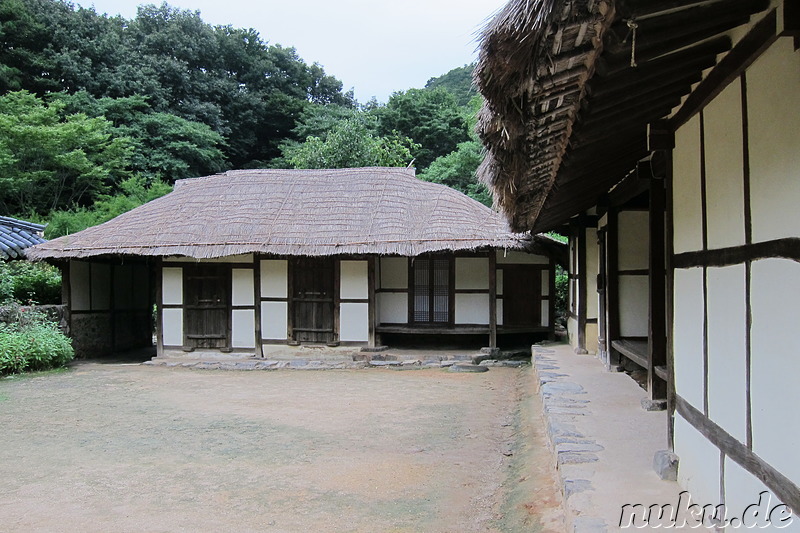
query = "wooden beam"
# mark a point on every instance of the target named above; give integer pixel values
(783, 488)
(657, 322)
(746, 51)
(660, 136)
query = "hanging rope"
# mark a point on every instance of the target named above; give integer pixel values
(632, 26)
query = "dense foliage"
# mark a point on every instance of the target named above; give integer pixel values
(37, 283)
(30, 342)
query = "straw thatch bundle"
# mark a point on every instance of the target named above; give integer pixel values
(295, 212)
(534, 61)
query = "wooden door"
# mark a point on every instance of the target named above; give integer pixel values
(522, 295)
(207, 313)
(313, 299)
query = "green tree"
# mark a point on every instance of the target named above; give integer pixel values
(432, 118)
(350, 144)
(457, 82)
(48, 161)
(457, 170)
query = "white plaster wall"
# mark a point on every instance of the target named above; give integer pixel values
(592, 341)
(354, 282)
(80, 285)
(354, 322)
(172, 321)
(633, 306)
(243, 286)
(241, 258)
(698, 469)
(499, 282)
(743, 489)
(724, 168)
(687, 335)
(274, 320)
(686, 198)
(634, 239)
(506, 257)
(274, 279)
(101, 287)
(472, 273)
(727, 366)
(774, 114)
(172, 286)
(393, 308)
(243, 328)
(499, 304)
(545, 313)
(472, 309)
(592, 269)
(572, 331)
(546, 283)
(394, 272)
(775, 363)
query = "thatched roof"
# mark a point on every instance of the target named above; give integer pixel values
(295, 212)
(16, 236)
(568, 96)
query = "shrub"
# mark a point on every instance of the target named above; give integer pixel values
(32, 343)
(26, 282)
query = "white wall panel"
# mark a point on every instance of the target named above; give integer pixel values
(500, 312)
(80, 285)
(633, 306)
(394, 272)
(393, 308)
(499, 282)
(274, 321)
(724, 168)
(274, 279)
(688, 335)
(698, 469)
(634, 238)
(727, 365)
(172, 286)
(243, 286)
(592, 269)
(687, 203)
(172, 321)
(775, 374)
(774, 115)
(472, 273)
(546, 282)
(545, 312)
(354, 322)
(354, 282)
(472, 309)
(243, 328)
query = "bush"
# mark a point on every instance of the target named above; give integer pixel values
(26, 282)
(32, 343)
(562, 291)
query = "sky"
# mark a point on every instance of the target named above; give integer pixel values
(375, 47)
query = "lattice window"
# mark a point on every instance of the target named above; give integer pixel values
(431, 290)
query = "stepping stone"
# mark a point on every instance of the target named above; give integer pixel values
(468, 368)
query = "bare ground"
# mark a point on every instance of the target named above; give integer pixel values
(113, 447)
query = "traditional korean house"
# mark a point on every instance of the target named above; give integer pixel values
(239, 260)
(662, 136)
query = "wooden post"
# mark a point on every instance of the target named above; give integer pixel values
(290, 301)
(612, 286)
(257, 304)
(337, 301)
(657, 334)
(66, 295)
(670, 287)
(159, 307)
(492, 298)
(372, 301)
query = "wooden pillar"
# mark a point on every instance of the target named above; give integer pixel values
(337, 302)
(290, 265)
(581, 310)
(372, 311)
(552, 301)
(612, 285)
(66, 294)
(159, 307)
(657, 334)
(493, 299)
(257, 304)
(670, 284)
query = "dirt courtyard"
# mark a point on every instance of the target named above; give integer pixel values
(115, 447)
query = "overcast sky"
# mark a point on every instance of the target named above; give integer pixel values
(374, 46)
